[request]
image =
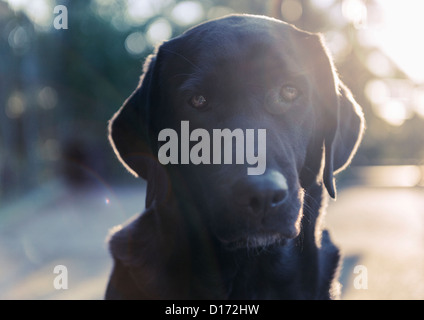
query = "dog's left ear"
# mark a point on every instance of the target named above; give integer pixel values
(342, 137)
(340, 120)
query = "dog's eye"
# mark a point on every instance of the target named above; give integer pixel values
(198, 101)
(289, 93)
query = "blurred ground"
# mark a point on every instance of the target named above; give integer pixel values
(56, 225)
(378, 227)
(383, 230)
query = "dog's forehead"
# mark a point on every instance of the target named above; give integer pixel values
(220, 39)
(242, 25)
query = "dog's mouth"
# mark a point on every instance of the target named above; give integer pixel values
(256, 241)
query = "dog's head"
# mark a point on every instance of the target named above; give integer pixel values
(237, 76)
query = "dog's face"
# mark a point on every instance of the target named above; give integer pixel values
(269, 84)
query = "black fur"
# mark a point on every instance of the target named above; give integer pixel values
(197, 239)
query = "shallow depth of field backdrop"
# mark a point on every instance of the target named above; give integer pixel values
(62, 189)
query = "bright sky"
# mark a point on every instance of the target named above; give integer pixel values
(400, 35)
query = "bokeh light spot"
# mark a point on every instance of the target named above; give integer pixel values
(47, 98)
(159, 31)
(139, 11)
(291, 10)
(187, 12)
(393, 112)
(379, 64)
(390, 100)
(338, 44)
(15, 106)
(40, 12)
(19, 39)
(135, 43)
(377, 91)
(322, 4)
(50, 150)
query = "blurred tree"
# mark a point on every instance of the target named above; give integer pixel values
(58, 88)
(18, 121)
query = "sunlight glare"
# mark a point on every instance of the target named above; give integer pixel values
(39, 11)
(389, 100)
(377, 91)
(378, 64)
(355, 11)
(393, 111)
(397, 33)
(392, 176)
(338, 44)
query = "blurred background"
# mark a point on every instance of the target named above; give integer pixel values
(62, 189)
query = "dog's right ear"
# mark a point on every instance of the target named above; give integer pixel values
(129, 127)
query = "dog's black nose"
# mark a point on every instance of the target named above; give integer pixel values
(259, 194)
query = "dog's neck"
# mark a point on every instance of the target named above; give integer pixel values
(168, 254)
(219, 273)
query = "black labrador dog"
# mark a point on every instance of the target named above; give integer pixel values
(218, 225)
